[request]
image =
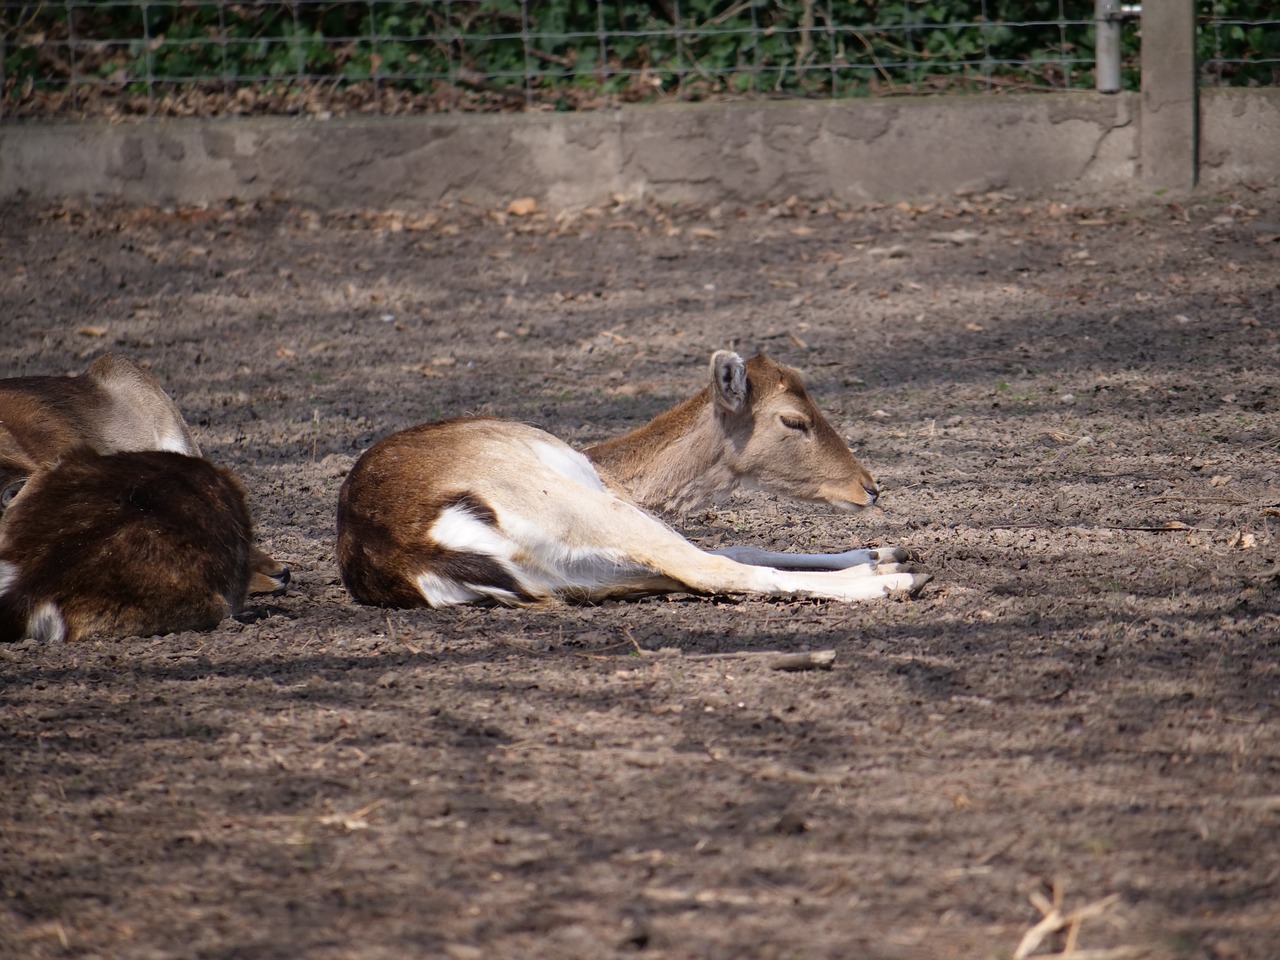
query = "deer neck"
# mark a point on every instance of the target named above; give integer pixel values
(676, 462)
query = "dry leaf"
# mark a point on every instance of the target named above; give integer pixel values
(424, 222)
(522, 207)
(284, 353)
(959, 238)
(705, 233)
(93, 331)
(347, 823)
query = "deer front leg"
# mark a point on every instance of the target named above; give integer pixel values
(813, 561)
(673, 557)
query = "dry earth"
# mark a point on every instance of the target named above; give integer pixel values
(1071, 404)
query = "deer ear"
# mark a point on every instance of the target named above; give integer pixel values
(729, 381)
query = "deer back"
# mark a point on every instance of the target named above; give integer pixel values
(138, 414)
(114, 406)
(754, 425)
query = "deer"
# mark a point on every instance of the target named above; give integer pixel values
(477, 510)
(123, 544)
(115, 406)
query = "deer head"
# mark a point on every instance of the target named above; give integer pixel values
(754, 425)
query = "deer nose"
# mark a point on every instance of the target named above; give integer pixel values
(873, 493)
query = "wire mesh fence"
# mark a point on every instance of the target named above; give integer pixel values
(1239, 43)
(179, 57)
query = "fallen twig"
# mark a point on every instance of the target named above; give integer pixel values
(477, 81)
(1171, 527)
(1235, 501)
(1054, 920)
(773, 659)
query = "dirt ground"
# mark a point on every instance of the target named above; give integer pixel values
(1071, 405)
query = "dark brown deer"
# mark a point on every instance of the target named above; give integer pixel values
(115, 406)
(123, 544)
(484, 511)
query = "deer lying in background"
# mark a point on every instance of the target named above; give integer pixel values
(490, 511)
(123, 544)
(114, 407)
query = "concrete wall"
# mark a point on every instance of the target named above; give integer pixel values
(1239, 135)
(735, 152)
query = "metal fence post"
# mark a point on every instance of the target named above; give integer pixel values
(1108, 17)
(1170, 135)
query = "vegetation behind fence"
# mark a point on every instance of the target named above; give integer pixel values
(148, 57)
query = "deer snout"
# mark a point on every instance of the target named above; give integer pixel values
(852, 496)
(267, 575)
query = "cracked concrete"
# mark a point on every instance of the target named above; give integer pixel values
(731, 152)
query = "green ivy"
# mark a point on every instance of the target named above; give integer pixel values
(694, 48)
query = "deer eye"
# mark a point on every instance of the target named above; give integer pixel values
(793, 422)
(9, 492)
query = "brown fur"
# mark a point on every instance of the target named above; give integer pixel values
(114, 406)
(125, 544)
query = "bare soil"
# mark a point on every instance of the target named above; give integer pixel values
(1070, 404)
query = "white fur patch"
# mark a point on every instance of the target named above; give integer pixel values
(444, 592)
(457, 528)
(547, 565)
(176, 443)
(541, 564)
(46, 624)
(8, 576)
(568, 463)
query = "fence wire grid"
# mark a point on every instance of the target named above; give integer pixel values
(122, 58)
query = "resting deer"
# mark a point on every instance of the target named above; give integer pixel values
(123, 544)
(114, 407)
(490, 511)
